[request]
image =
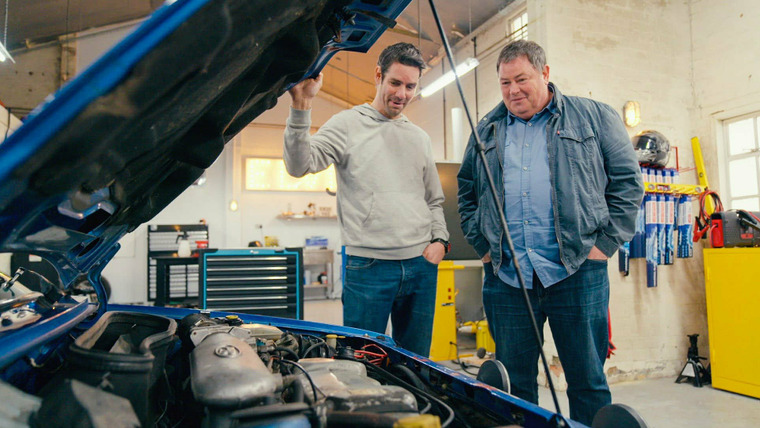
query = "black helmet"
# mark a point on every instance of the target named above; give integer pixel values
(652, 148)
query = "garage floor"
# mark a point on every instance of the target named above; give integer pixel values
(661, 402)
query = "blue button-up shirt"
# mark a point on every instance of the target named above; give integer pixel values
(528, 202)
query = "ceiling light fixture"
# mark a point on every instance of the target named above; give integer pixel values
(468, 65)
(3, 52)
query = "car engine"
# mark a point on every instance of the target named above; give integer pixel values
(139, 369)
(243, 374)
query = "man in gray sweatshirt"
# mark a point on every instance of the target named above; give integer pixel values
(389, 199)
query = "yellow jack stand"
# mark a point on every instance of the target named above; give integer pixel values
(443, 344)
(483, 337)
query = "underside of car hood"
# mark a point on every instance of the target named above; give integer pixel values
(126, 137)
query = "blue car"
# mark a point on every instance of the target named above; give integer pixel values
(108, 152)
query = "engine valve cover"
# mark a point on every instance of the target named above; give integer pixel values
(348, 387)
(226, 372)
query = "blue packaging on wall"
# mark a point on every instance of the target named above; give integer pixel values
(660, 229)
(316, 241)
(669, 248)
(651, 245)
(685, 228)
(637, 248)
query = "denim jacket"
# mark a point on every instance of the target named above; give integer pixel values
(595, 178)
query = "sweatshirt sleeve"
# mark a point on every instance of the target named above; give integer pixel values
(304, 153)
(434, 197)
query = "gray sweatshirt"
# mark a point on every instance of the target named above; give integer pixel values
(389, 194)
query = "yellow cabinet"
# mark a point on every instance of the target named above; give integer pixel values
(732, 280)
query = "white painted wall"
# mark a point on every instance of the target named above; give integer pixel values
(726, 72)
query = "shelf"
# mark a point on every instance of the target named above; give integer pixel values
(681, 189)
(316, 285)
(322, 258)
(305, 217)
(317, 256)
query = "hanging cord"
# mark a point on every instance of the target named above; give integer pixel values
(502, 218)
(64, 49)
(8, 128)
(469, 17)
(702, 223)
(5, 29)
(419, 25)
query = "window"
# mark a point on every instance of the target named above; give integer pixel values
(270, 174)
(518, 27)
(743, 162)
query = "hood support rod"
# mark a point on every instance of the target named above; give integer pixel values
(502, 218)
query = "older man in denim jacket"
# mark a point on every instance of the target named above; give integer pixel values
(570, 185)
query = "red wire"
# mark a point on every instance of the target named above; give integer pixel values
(703, 217)
(379, 357)
(370, 353)
(375, 346)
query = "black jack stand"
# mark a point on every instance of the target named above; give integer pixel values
(693, 370)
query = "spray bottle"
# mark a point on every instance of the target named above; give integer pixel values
(183, 249)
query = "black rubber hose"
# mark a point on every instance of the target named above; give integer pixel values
(297, 394)
(409, 376)
(313, 347)
(395, 380)
(288, 351)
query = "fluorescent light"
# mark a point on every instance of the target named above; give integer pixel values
(4, 54)
(461, 70)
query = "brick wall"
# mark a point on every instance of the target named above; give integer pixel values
(690, 65)
(616, 51)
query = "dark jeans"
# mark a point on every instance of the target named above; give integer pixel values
(373, 289)
(576, 308)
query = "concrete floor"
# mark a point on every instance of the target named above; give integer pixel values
(661, 402)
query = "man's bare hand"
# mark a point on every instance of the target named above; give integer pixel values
(434, 252)
(304, 92)
(486, 258)
(597, 254)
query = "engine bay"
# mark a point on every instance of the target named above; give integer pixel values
(203, 371)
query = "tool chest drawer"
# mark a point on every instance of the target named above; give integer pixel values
(254, 281)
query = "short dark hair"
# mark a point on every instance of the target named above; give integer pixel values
(532, 50)
(403, 53)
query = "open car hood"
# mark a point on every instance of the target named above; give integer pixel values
(121, 141)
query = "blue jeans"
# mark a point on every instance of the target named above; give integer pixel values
(373, 289)
(576, 308)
